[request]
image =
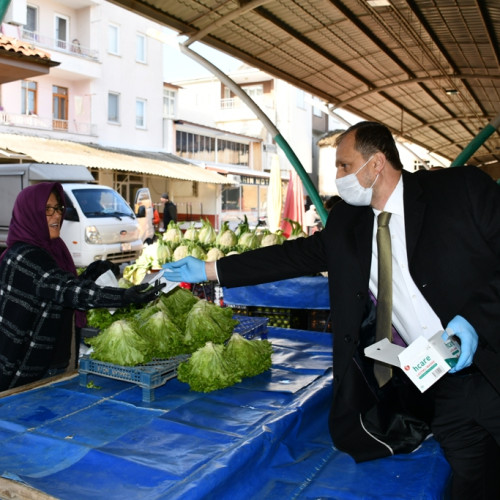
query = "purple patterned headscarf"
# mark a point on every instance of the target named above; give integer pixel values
(29, 223)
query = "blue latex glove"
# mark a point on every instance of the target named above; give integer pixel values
(461, 328)
(188, 270)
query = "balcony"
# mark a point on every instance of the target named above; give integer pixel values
(234, 109)
(76, 61)
(74, 48)
(45, 123)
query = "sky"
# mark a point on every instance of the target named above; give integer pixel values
(178, 66)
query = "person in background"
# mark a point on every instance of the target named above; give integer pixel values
(156, 219)
(40, 291)
(445, 238)
(169, 211)
(331, 202)
(311, 220)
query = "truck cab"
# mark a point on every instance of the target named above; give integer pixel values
(98, 223)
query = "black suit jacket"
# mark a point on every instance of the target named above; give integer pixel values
(452, 224)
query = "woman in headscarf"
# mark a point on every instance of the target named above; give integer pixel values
(40, 290)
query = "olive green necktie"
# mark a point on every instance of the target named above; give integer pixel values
(382, 371)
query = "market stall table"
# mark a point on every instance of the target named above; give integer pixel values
(264, 437)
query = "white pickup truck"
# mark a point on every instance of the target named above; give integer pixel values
(98, 224)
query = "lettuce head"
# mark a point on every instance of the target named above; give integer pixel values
(164, 337)
(208, 322)
(208, 369)
(120, 344)
(251, 356)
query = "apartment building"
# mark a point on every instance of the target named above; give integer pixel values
(107, 92)
(229, 137)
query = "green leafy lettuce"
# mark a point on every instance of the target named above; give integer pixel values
(208, 369)
(164, 338)
(208, 322)
(251, 356)
(177, 303)
(120, 344)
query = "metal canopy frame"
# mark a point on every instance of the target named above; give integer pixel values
(428, 69)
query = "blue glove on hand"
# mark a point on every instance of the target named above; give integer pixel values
(188, 270)
(461, 328)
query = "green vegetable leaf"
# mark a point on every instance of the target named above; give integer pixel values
(251, 356)
(164, 337)
(177, 303)
(208, 322)
(120, 344)
(208, 369)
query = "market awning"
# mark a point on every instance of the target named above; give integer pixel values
(73, 153)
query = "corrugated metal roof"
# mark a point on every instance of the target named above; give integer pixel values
(72, 153)
(392, 64)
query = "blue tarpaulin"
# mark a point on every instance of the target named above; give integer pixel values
(265, 437)
(309, 292)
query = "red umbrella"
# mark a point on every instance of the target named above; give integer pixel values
(294, 203)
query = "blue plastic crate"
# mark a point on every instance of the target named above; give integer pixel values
(147, 376)
(155, 373)
(249, 327)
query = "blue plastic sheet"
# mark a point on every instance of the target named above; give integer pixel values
(298, 293)
(265, 437)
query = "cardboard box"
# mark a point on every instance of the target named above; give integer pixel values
(424, 361)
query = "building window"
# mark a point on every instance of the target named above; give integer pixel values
(254, 90)
(140, 48)
(169, 103)
(113, 39)
(140, 113)
(301, 99)
(31, 26)
(204, 148)
(113, 107)
(317, 107)
(29, 97)
(59, 108)
(61, 32)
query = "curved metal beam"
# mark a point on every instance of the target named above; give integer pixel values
(477, 142)
(376, 90)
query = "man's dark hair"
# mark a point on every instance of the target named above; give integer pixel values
(371, 137)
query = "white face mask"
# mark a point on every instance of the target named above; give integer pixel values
(352, 192)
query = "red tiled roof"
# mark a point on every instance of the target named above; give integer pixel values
(22, 48)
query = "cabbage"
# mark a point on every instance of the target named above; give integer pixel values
(208, 322)
(180, 252)
(196, 251)
(207, 234)
(226, 238)
(242, 227)
(251, 356)
(208, 369)
(214, 254)
(249, 241)
(272, 239)
(163, 254)
(120, 344)
(163, 336)
(173, 233)
(191, 233)
(135, 273)
(297, 231)
(124, 283)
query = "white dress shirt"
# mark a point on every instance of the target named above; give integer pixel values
(412, 316)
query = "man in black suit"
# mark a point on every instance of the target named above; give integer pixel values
(445, 234)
